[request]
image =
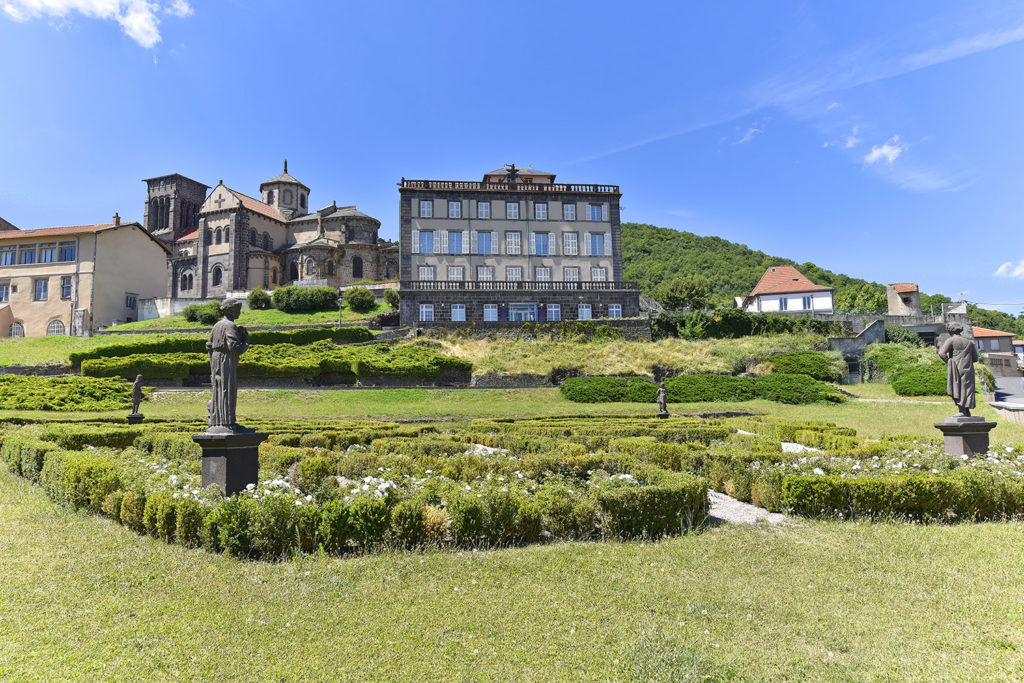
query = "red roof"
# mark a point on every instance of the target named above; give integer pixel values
(785, 280)
(257, 206)
(188, 236)
(904, 287)
(53, 232)
(985, 332)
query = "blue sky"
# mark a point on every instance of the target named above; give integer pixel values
(877, 139)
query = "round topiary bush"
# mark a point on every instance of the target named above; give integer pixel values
(360, 299)
(259, 300)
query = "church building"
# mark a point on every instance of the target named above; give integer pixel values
(227, 241)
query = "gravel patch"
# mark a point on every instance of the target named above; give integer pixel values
(726, 509)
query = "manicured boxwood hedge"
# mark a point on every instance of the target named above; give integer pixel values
(197, 344)
(796, 389)
(827, 367)
(29, 392)
(290, 361)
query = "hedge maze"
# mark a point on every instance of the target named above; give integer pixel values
(356, 486)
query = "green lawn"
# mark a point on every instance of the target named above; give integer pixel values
(252, 318)
(40, 350)
(83, 597)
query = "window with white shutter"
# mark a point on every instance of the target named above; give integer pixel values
(426, 208)
(443, 243)
(495, 244)
(465, 241)
(513, 243)
(415, 241)
(607, 244)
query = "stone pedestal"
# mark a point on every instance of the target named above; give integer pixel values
(663, 415)
(230, 460)
(135, 418)
(965, 435)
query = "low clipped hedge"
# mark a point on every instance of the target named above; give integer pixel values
(289, 361)
(827, 367)
(197, 344)
(29, 392)
(796, 389)
(295, 299)
(920, 380)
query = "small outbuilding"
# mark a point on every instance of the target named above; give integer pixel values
(785, 289)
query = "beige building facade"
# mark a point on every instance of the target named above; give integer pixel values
(74, 280)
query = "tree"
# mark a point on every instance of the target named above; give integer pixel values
(864, 298)
(391, 297)
(683, 292)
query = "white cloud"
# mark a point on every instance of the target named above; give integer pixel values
(852, 140)
(137, 18)
(749, 135)
(831, 106)
(890, 151)
(1011, 269)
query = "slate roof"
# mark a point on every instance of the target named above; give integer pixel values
(904, 287)
(785, 280)
(284, 177)
(984, 333)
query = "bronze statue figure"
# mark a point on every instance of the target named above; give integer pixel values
(136, 394)
(227, 342)
(960, 355)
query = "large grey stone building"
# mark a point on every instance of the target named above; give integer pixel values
(516, 246)
(226, 241)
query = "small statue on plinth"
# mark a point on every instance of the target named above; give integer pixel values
(135, 417)
(227, 342)
(662, 401)
(963, 434)
(231, 453)
(960, 355)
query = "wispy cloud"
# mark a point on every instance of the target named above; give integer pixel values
(852, 140)
(889, 152)
(751, 133)
(139, 19)
(1011, 269)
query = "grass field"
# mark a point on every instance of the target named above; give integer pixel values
(85, 598)
(40, 350)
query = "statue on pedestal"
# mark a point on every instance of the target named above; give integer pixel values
(227, 342)
(662, 400)
(135, 417)
(960, 355)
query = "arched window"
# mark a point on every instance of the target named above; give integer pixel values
(330, 268)
(270, 196)
(153, 210)
(387, 269)
(217, 276)
(351, 235)
(273, 276)
(253, 238)
(184, 283)
(227, 235)
(217, 235)
(302, 200)
(16, 330)
(207, 237)
(286, 196)
(55, 327)
(191, 281)
(357, 267)
(266, 241)
(309, 267)
(293, 271)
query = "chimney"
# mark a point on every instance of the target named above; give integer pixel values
(117, 219)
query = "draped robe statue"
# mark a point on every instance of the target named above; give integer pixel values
(136, 394)
(227, 342)
(662, 399)
(960, 355)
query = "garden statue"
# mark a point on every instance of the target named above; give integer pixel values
(662, 401)
(227, 342)
(135, 417)
(960, 354)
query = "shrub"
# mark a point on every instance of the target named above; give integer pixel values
(654, 510)
(919, 380)
(313, 470)
(159, 516)
(111, 505)
(468, 519)
(827, 367)
(296, 299)
(609, 389)
(371, 520)
(336, 528)
(730, 323)
(894, 334)
(797, 389)
(259, 300)
(28, 392)
(132, 508)
(436, 522)
(391, 298)
(207, 314)
(188, 524)
(82, 479)
(360, 299)
(409, 523)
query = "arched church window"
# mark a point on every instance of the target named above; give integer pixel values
(54, 328)
(286, 196)
(227, 235)
(302, 200)
(270, 196)
(273, 276)
(266, 241)
(357, 267)
(216, 276)
(253, 237)
(183, 286)
(191, 281)
(309, 267)
(207, 237)
(330, 268)
(293, 271)
(217, 236)
(16, 330)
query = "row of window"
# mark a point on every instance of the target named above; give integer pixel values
(40, 289)
(286, 197)
(592, 212)
(55, 327)
(512, 274)
(48, 252)
(784, 303)
(517, 312)
(488, 242)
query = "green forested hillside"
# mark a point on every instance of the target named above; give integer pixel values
(652, 255)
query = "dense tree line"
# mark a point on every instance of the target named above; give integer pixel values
(654, 257)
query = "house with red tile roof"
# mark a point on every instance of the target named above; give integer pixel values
(75, 279)
(231, 242)
(784, 289)
(997, 350)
